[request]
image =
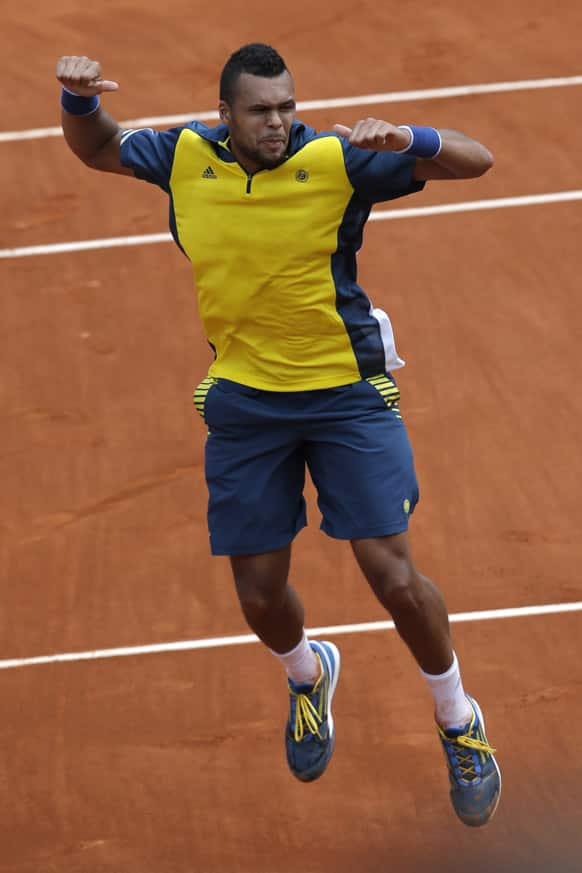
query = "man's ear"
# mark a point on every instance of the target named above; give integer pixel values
(224, 112)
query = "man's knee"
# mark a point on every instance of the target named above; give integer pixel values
(260, 581)
(397, 585)
(255, 598)
(394, 579)
(387, 565)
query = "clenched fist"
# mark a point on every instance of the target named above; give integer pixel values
(83, 76)
(374, 134)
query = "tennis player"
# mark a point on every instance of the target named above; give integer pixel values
(271, 215)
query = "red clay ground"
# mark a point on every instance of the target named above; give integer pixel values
(173, 763)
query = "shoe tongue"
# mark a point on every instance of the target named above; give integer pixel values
(454, 732)
(303, 688)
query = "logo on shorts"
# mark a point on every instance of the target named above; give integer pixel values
(406, 506)
(302, 175)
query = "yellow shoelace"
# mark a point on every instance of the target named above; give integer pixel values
(466, 763)
(307, 717)
(472, 743)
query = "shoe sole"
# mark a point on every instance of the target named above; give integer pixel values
(482, 723)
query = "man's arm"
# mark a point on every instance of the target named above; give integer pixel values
(458, 157)
(94, 137)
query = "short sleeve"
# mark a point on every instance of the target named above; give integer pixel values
(380, 176)
(150, 153)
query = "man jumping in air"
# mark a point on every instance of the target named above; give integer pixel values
(271, 215)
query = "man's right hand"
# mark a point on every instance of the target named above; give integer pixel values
(83, 76)
(95, 138)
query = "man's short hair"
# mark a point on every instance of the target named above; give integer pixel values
(257, 59)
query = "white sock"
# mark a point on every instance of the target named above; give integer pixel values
(452, 709)
(301, 663)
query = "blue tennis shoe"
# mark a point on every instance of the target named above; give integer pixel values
(473, 772)
(309, 735)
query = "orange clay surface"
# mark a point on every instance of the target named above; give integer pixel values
(174, 762)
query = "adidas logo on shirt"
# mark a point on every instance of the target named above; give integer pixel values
(209, 173)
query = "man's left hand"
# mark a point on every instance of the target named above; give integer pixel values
(374, 134)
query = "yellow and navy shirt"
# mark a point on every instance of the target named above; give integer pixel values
(274, 253)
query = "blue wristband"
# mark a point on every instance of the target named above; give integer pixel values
(75, 104)
(425, 142)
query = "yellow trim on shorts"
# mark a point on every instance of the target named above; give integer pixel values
(201, 392)
(388, 390)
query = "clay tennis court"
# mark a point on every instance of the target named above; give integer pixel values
(171, 760)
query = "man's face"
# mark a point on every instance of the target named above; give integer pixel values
(260, 119)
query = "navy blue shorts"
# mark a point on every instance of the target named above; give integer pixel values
(352, 439)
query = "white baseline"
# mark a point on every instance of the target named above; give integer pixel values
(330, 103)
(245, 639)
(378, 215)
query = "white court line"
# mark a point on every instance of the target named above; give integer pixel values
(476, 205)
(86, 245)
(244, 639)
(390, 214)
(331, 103)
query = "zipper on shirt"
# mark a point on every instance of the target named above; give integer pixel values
(250, 177)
